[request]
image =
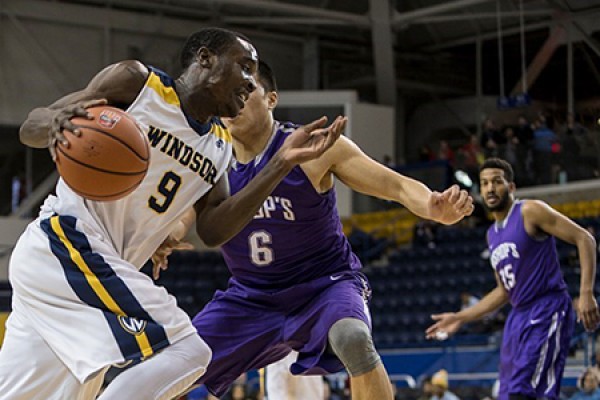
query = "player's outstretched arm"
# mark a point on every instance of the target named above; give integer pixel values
(365, 175)
(116, 84)
(449, 323)
(220, 216)
(541, 218)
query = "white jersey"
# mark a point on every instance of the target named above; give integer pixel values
(186, 160)
(77, 291)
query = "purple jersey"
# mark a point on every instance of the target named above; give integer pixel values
(295, 237)
(528, 267)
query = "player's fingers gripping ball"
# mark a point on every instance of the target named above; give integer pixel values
(109, 159)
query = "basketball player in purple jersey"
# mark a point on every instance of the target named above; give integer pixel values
(296, 283)
(525, 261)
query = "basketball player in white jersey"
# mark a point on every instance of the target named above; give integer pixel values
(80, 303)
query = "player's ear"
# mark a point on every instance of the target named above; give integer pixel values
(204, 57)
(272, 99)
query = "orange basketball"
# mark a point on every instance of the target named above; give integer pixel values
(110, 158)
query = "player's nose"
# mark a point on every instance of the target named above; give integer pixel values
(251, 84)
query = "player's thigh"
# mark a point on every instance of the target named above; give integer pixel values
(242, 334)
(93, 308)
(30, 370)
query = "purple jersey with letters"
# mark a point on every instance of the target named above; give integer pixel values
(528, 267)
(269, 253)
(538, 330)
(294, 276)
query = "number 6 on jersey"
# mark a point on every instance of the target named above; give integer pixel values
(260, 254)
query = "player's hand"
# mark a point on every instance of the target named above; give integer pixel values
(62, 120)
(587, 311)
(311, 140)
(450, 206)
(160, 258)
(447, 324)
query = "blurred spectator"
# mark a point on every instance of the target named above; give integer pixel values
(570, 153)
(543, 140)
(425, 154)
(439, 382)
(471, 158)
(446, 153)
(524, 139)
(489, 137)
(426, 389)
(15, 198)
(510, 149)
(574, 127)
(588, 387)
(424, 234)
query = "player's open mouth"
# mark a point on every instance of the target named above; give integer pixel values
(491, 198)
(243, 96)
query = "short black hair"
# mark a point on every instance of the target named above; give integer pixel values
(499, 164)
(266, 77)
(217, 40)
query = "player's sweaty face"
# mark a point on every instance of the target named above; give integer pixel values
(494, 188)
(234, 79)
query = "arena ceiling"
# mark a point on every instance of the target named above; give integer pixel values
(430, 43)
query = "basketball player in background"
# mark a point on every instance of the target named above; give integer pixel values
(80, 303)
(524, 257)
(281, 384)
(296, 284)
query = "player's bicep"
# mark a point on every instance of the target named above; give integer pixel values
(361, 173)
(539, 215)
(118, 83)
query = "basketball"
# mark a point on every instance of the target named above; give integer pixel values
(110, 158)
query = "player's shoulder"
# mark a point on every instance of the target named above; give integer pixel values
(535, 210)
(120, 82)
(128, 70)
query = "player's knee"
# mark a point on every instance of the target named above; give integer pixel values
(351, 341)
(196, 350)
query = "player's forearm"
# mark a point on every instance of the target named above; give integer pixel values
(219, 224)
(586, 248)
(491, 302)
(415, 196)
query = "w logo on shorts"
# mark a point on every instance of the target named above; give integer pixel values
(132, 325)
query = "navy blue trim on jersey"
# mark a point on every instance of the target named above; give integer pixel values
(112, 284)
(201, 129)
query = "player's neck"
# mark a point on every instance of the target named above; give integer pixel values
(189, 97)
(501, 215)
(249, 146)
